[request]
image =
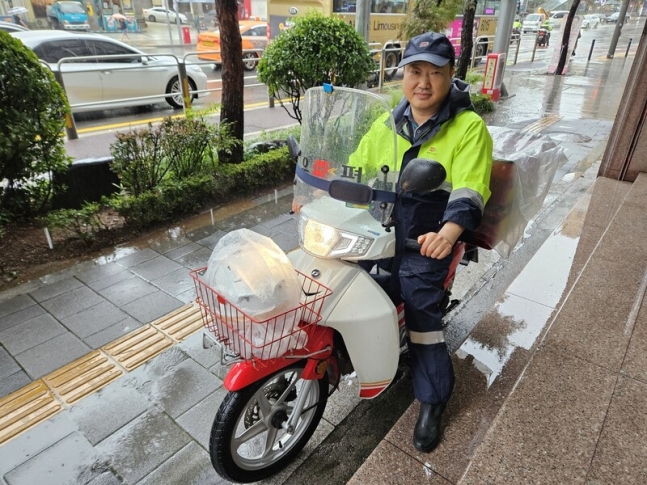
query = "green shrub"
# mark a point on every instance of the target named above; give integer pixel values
(83, 223)
(316, 49)
(175, 149)
(173, 199)
(32, 117)
(482, 103)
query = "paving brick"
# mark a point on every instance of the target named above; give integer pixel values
(28, 334)
(33, 441)
(142, 445)
(71, 460)
(152, 307)
(198, 420)
(94, 319)
(155, 268)
(113, 332)
(8, 365)
(101, 414)
(72, 302)
(13, 382)
(189, 466)
(12, 305)
(55, 289)
(136, 257)
(175, 283)
(181, 387)
(20, 316)
(99, 271)
(126, 291)
(49, 356)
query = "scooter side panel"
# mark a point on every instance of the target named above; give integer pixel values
(364, 316)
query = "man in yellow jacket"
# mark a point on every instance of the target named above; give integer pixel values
(434, 120)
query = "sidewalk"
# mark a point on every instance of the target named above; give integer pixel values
(136, 406)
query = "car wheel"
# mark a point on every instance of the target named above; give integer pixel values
(249, 61)
(390, 65)
(175, 90)
(152, 18)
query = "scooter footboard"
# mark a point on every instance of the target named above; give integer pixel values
(369, 327)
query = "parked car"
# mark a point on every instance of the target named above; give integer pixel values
(158, 14)
(590, 21)
(613, 18)
(532, 22)
(11, 27)
(113, 80)
(254, 35)
(556, 18)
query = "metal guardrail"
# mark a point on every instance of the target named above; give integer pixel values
(180, 64)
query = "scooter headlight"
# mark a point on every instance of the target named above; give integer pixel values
(328, 242)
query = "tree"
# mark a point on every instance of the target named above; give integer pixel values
(565, 49)
(429, 15)
(315, 50)
(32, 117)
(467, 34)
(232, 105)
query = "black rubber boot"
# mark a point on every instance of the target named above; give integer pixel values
(426, 434)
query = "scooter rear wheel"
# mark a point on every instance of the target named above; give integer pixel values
(247, 441)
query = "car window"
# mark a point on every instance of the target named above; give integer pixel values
(259, 31)
(104, 48)
(56, 50)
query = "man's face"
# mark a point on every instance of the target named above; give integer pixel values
(425, 86)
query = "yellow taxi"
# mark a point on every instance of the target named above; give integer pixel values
(254, 35)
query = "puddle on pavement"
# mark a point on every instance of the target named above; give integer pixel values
(520, 317)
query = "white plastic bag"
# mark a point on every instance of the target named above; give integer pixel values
(523, 171)
(252, 273)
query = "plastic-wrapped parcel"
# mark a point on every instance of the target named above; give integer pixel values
(255, 276)
(523, 171)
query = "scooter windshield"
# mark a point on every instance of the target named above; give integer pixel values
(348, 135)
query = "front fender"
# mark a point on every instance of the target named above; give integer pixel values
(245, 373)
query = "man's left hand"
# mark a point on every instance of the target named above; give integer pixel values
(439, 245)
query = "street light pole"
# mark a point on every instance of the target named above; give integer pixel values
(618, 29)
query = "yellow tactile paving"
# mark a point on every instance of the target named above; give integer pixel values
(138, 347)
(542, 123)
(181, 323)
(83, 376)
(26, 408)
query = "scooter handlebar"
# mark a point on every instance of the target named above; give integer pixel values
(412, 244)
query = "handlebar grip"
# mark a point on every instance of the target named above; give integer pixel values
(412, 244)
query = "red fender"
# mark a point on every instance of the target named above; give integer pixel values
(245, 373)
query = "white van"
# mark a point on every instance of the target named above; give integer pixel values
(532, 22)
(556, 18)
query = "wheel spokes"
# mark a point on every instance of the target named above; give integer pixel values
(251, 432)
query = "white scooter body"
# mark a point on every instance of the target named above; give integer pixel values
(358, 308)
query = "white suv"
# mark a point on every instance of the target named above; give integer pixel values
(556, 17)
(532, 22)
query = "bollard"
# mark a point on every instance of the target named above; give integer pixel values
(628, 47)
(70, 126)
(591, 51)
(534, 49)
(184, 83)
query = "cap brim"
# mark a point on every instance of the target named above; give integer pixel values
(425, 57)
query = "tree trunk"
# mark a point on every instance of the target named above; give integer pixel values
(467, 34)
(565, 48)
(231, 53)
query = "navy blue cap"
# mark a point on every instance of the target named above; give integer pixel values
(429, 47)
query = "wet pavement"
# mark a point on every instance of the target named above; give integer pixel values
(150, 424)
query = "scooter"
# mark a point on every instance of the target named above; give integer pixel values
(276, 399)
(543, 37)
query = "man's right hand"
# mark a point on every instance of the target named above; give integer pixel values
(296, 206)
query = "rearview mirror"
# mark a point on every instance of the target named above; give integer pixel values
(145, 60)
(422, 176)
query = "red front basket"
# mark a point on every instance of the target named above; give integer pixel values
(260, 340)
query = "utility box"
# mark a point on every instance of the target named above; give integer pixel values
(493, 77)
(186, 35)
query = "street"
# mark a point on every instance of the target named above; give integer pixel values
(256, 94)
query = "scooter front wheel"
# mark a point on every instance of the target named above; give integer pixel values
(261, 428)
